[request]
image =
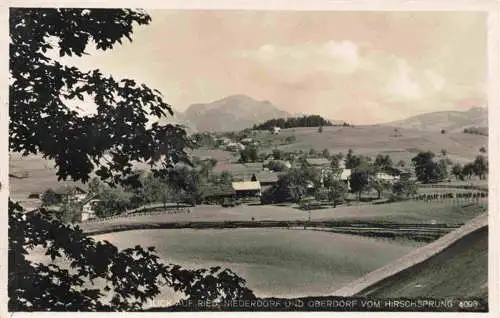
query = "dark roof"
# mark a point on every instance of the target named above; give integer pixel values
(219, 190)
(266, 176)
(318, 161)
(65, 190)
(89, 198)
(254, 165)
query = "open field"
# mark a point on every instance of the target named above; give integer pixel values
(281, 263)
(414, 212)
(41, 175)
(371, 140)
(219, 155)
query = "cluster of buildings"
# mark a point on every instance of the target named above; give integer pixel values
(72, 195)
(246, 189)
(257, 181)
(228, 144)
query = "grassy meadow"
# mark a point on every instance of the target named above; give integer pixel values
(282, 263)
(372, 140)
(401, 212)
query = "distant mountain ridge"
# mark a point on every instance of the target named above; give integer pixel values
(452, 121)
(232, 113)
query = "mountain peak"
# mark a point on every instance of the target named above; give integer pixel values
(234, 112)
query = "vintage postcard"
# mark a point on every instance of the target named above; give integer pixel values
(251, 159)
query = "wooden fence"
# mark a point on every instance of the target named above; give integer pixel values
(456, 186)
(453, 198)
(135, 214)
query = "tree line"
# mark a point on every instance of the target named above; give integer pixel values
(294, 122)
(430, 169)
(476, 131)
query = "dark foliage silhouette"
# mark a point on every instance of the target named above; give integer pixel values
(107, 142)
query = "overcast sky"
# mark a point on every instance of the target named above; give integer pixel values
(362, 67)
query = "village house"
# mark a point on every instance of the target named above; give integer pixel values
(71, 194)
(345, 176)
(247, 189)
(224, 140)
(382, 176)
(216, 194)
(318, 162)
(35, 195)
(235, 146)
(247, 141)
(266, 178)
(88, 210)
(275, 130)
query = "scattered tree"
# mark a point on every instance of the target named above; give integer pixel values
(320, 129)
(468, 170)
(69, 212)
(379, 186)
(325, 153)
(457, 171)
(249, 154)
(443, 169)
(382, 163)
(206, 167)
(351, 161)
(480, 167)
(297, 181)
(426, 169)
(225, 177)
(483, 131)
(50, 197)
(276, 166)
(336, 192)
(482, 150)
(113, 201)
(359, 181)
(95, 186)
(404, 188)
(278, 154)
(335, 166)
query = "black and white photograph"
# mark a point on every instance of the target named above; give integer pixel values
(250, 160)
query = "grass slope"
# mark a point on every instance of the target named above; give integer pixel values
(281, 263)
(449, 120)
(371, 140)
(461, 270)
